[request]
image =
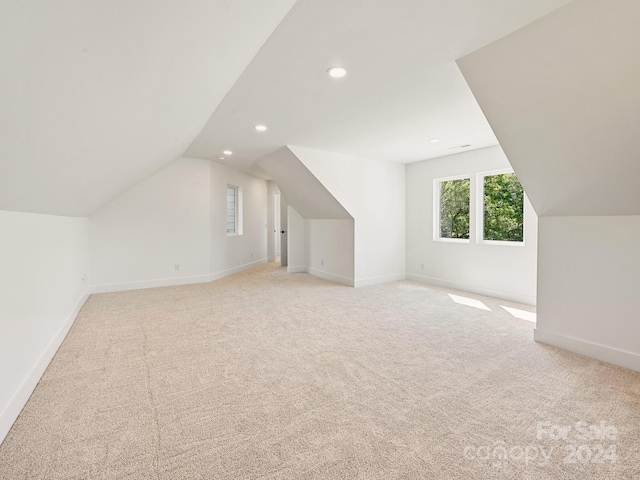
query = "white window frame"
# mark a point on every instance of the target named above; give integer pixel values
(480, 211)
(237, 216)
(436, 209)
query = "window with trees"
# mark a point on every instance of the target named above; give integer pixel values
(453, 200)
(502, 208)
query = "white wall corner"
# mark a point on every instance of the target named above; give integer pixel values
(161, 282)
(291, 269)
(28, 385)
(241, 268)
(172, 282)
(365, 282)
(589, 349)
(330, 276)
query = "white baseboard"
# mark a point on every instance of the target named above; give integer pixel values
(296, 269)
(488, 292)
(172, 282)
(589, 349)
(234, 270)
(345, 280)
(330, 276)
(365, 282)
(21, 396)
(161, 282)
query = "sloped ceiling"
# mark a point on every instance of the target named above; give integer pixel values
(96, 95)
(300, 188)
(403, 87)
(563, 97)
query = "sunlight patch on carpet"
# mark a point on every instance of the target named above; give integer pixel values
(469, 302)
(529, 316)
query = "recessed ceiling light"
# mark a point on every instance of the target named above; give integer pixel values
(220, 158)
(260, 128)
(337, 72)
(228, 152)
(434, 140)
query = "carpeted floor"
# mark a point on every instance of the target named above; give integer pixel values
(269, 375)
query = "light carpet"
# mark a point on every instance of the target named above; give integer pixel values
(269, 375)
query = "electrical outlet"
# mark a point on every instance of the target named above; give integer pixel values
(322, 262)
(177, 267)
(84, 279)
(251, 255)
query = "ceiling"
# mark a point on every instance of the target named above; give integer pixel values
(403, 87)
(95, 97)
(567, 117)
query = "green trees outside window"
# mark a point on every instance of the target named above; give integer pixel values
(501, 199)
(454, 208)
(503, 209)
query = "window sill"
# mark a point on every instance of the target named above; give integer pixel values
(501, 243)
(452, 240)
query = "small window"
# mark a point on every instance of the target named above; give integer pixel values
(502, 208)
(452, 202)
(234, 224)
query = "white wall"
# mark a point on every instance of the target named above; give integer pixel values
(178, 217)
(139, 237)
(228, 252)
(44, 259)
(507, 272)
(330, 249)
(589, 286)
(373, 192)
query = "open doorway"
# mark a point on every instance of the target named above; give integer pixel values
(277, 238)
(276, 227)
(284, 260)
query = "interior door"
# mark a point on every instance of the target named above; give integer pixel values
(283, 231)
(276, 227)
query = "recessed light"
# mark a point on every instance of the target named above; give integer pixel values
(260, 128)
(337, 72)
(220, 158)
(228, 152)
(434, 140)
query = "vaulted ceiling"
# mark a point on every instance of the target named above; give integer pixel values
(402, 89)
(566, 116)
(96, 96)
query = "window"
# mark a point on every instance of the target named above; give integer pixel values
(452, 202)
(234, 210)
(502, 207)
